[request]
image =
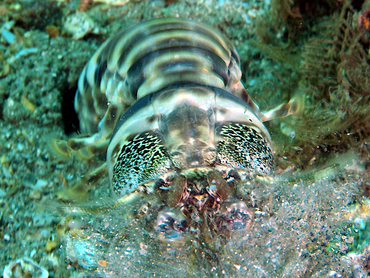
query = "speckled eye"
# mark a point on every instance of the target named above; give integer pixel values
(142, 157)
(243, 147)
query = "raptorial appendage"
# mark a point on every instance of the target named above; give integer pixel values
(165, 100)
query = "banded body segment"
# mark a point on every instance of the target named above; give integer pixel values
(147, 58)
(194, 127)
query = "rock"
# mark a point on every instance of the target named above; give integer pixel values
(50, 245)
(24, 268)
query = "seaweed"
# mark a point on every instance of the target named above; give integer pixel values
(330, 71)
(334, 81)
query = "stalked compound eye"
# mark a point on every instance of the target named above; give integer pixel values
(170, 226)
(235, 216)
(245, 147)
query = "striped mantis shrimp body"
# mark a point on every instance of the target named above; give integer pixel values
(165, 100)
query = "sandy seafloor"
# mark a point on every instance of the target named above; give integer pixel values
(302, 226)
